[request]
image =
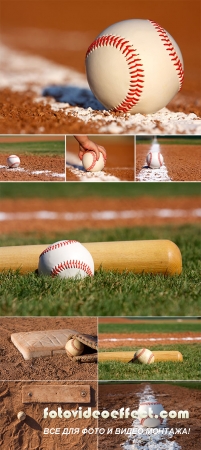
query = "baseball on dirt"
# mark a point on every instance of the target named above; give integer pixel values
(154, 160)
(143, 356)
(66, 259)
(149, 414)
(134, 66)
(91, 163)
(74, 347)
(13, 161)
(21, 415)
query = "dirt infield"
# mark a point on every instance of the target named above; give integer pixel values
(32, 215)
(25, 27)
(116, 396)
(30, 434)
(33, 168)
(181, 161)
(58, 367)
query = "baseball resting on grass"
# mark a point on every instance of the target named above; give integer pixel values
(147, 256)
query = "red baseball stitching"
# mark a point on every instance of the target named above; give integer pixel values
(74, 264)
(141, 353)
(172, 53)
(94, 159)
(150, 358)
(57, 245)
(135, 68)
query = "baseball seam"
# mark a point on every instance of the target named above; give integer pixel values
(172, 52)
(140, 354)
(135, 66)
(56, 246)
(94, 159)
(72, 264)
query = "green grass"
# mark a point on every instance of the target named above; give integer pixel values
(169, 140)
(189, 369)
(115, 190)
(108, 293)
(149, 327)
(45, 148)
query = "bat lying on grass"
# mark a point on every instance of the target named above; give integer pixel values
(148, 256)
(128, 356)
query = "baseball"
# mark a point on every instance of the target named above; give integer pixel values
(91, 164)
(134, 66)
(13, 161)
(74, 347)
(148, 409)
(154, 160)
(143, 356)
(66, 259)
(21, 415)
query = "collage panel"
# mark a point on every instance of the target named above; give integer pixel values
(32, 158)
(115, 161)
(168, 158)
(138, 250)
(48, 414)
(67, 78)
(100, 293)
(149, 348)
(44, 348)
(149, 415)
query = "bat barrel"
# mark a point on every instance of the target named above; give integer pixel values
(126, 357)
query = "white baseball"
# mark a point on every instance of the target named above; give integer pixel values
(66, 259)
(91, 164)
(148, 409)
(134, 66)
(74, 347)
(13, 161)
(154, 160)
(143, 356)
(21, 415)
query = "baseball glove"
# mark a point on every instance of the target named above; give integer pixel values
(90, 347)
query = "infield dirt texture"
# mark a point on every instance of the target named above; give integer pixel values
(43, 66)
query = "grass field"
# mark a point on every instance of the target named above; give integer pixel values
(45, 148)
(169, 140)
(107, 293)
(160, 327)
(189, 369)
(114, 190)
(187, 384)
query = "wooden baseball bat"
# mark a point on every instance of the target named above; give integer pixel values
(149, 256)
(128, 356)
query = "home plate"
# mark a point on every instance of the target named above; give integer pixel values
(32, 344)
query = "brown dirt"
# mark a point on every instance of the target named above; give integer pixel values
(182, 161)
(19, 19)
(58, 367)
(87, 205)
(144, 339)
(29, 434)
(32, 163)
(114, 397)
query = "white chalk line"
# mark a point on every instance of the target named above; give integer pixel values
(34, 172)
(101, 215)
(147, 339)
(152, 175)
(138, 441)
(92, 176)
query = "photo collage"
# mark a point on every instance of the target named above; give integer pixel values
(100, 225)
